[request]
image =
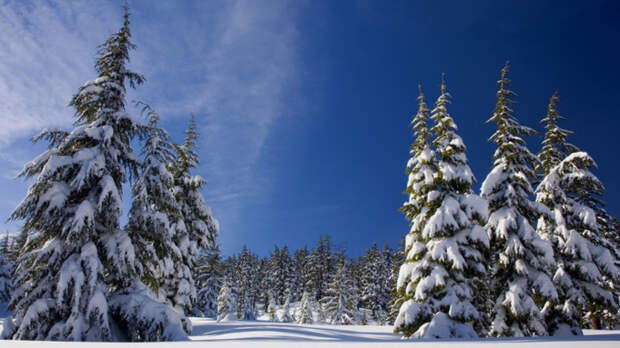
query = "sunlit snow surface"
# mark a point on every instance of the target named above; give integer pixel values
(255, 334)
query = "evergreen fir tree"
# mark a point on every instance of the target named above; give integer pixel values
(208, 275)
(245, 307)
(195, 228)
(153, 210)
(305, 309)
(519, 261)
(5, 270)
(78, 275)
(371, 282)
(272, 307)
(285, 312)
(396, 300)
(568, 190)
(300, 259)
(448, 256)
(226, 303)
(341, 298)
(422, 179)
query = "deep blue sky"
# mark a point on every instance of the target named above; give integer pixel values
(304, 107)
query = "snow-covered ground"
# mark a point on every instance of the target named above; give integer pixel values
(258, 334)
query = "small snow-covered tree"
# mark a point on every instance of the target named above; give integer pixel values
(582, 257)
(245, 308)
(285, 312)
(520, 259)
(272, 307)
(208, 274)
(447, 259)
(226, 303)
(195, 228)
(6, 270)
(305, 309)
(341, 298)
(371, 282)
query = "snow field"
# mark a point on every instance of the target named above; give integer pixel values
(258, 334)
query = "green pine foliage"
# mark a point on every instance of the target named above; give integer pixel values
(583, 260)
(194, 228)
(447, 259)
(520, 259)
(555, 148)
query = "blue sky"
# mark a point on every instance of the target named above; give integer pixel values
(304, 106)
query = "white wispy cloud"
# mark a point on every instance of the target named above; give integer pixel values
(47, 53)
(232, 63)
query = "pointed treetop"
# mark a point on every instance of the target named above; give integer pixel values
(504, 81)
(443, 83)
(126, 14)
(191, 134)
(555, 148)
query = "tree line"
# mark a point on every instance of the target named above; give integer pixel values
(322, 284)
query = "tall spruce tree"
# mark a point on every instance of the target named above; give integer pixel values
(583, 259)
(195, 228)
(520, 259)
(448, 256)
(422, 179)
(77, 277)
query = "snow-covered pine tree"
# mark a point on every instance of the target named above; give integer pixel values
(520, 259)
(208, 274)
(77, 277)
(265, 281)
(449, 254)
(285, 311)
(320, 266)
(226, 303)
(305, 309)
(371, 282)
(154, 208)
(272, 307)
(385, 284)
(246, 287)
(300, 259)
(396, 300)
(245, 308)
(196, 228)
(288, 273)
(341, 298)
(568, 190)
(282, 274)
(422, 179)
(6, 270)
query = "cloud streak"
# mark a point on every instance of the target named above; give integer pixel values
(233, 64)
